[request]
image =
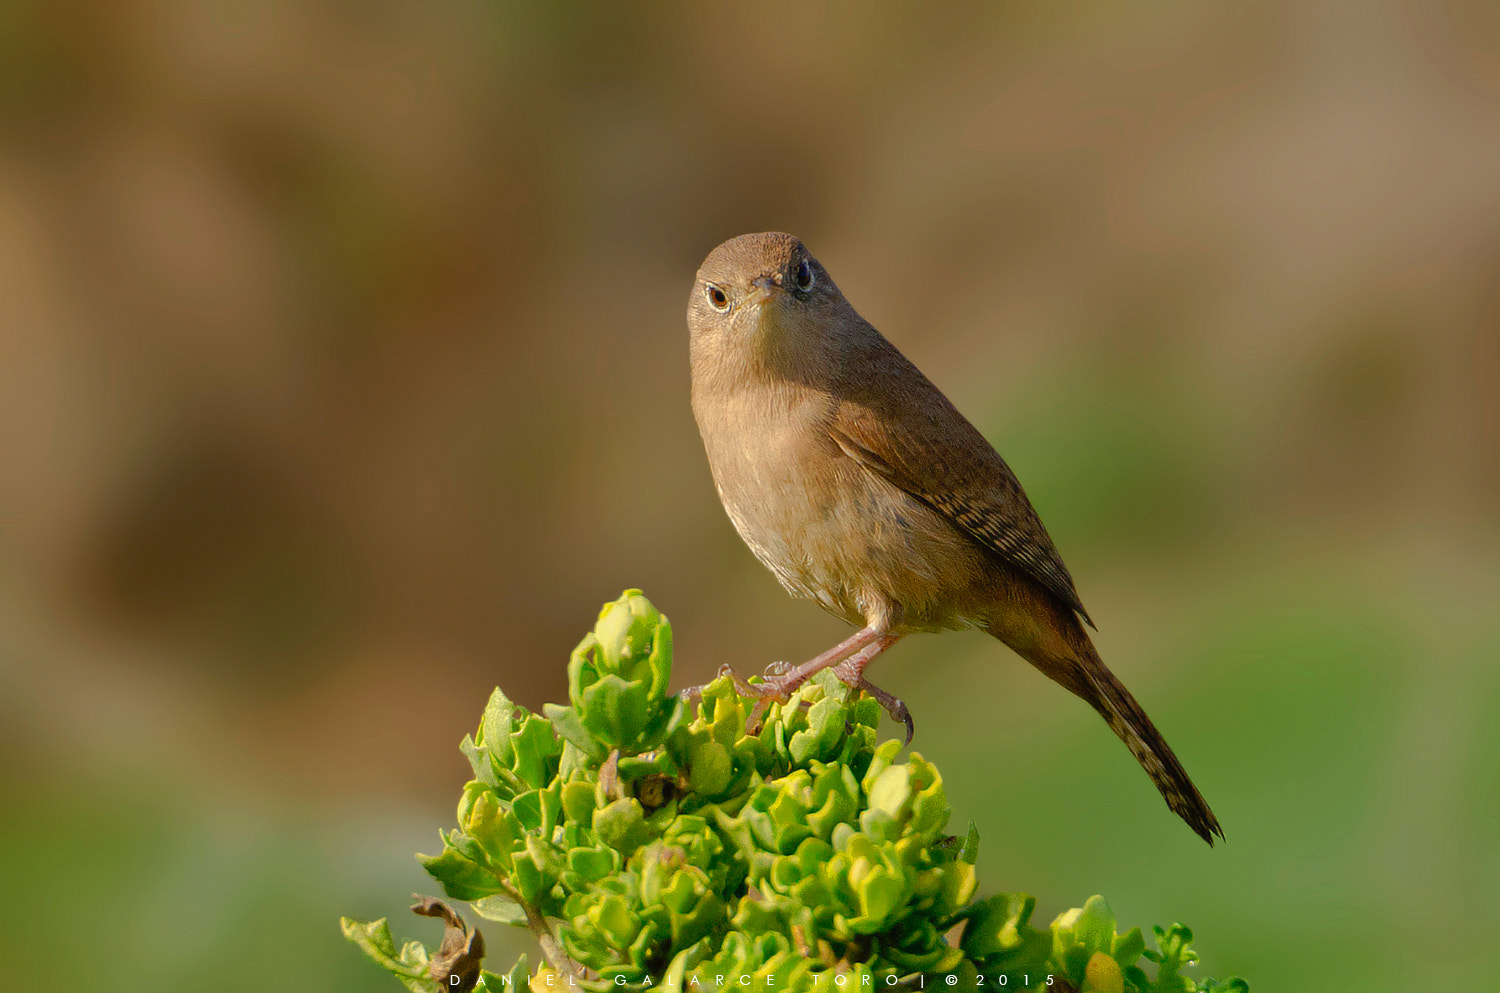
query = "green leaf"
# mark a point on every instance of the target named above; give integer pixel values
(615, 922)
(374, 939)
(1102, 974)
(622, 825)
(592, 864)
(1128, 947)
(1175, 944)
(480, 761)
(1084, 931)
(881, 892)
(514, 981)
(501, 909)
(566, 723)
(826, 722)
(970, 852)
(625, 634)
(462, 878)
(528, 879)
(578, 801)
(1000, 926)
(960, 880)
(615, 711)
(495, 726)
(538, 811)
(710, 769)
(534, 750)
(493, 827)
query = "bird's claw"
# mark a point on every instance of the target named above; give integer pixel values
(743, 685)
(777, 688)
(892, 704)
(774, 688)
(902, 714)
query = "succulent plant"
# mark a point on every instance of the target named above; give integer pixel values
(653, 843)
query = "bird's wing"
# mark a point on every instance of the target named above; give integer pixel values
(897, 425)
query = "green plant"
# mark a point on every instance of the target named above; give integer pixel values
(653, 843)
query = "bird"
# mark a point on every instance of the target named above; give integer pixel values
(860, 486)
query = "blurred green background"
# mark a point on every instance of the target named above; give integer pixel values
(345, 376)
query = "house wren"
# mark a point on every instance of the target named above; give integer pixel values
(862, 487)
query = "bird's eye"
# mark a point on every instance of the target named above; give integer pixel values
(717, 298)
(804, 275)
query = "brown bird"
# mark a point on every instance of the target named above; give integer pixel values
(862, 487)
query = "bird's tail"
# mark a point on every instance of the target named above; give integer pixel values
(1093, 681)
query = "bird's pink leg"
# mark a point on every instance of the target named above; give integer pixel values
(781, 682)
(859, 643)
(849, 657)
(852, 672)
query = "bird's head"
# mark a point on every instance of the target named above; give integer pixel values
(761, 301)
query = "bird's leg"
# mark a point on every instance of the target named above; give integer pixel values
(893, 705)
(852, 672)
(856, 644)
(782, 681)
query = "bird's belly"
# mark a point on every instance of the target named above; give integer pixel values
(864, 549)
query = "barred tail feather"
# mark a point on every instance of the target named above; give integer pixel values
(1128, 719)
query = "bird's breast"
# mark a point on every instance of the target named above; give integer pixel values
(828, 528)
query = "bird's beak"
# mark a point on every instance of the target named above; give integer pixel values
(765, 287)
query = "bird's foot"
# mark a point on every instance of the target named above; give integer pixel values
(763, 693)
(745, 688)
(782, 680)
(851, 676)
(779, 684)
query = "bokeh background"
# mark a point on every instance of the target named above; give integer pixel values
(344, 376)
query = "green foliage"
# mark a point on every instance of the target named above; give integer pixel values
(653, 843)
